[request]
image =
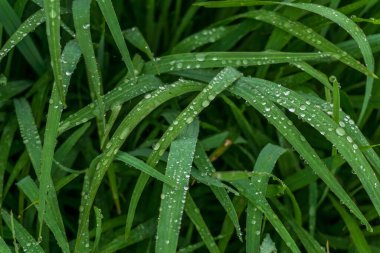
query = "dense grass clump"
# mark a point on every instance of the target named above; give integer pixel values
(189, 126)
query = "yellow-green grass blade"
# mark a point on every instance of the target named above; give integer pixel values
(29, 188)
(26, 240)
(173, 198)
(334, 132)
(193, 212)
(277, 118)
(223, 59)
(81, 14)
(11, 22)
(69, 60)
(110, 16)
(136, 115)
(220, 82)
(356, 234)
(117, 96)
(28, 26)
(264, 164)
(140, 165)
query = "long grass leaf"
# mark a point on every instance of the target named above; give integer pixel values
(140, 165)
(109, 14)
(334, 132)
(356, 234)
(195, 216)
(295, 138)
(135, 37)
(173, 199)
(25, 28)
(264, 164)
(223, 59)
(10, 21)
(219, 83)
(139, 112)
(70, 58)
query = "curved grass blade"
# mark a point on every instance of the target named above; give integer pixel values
(193, 213)
(119, 95)
(135, 37)
(334, 132)
(28, 49)
(99, 217)
(25, 28)
(227, 59)
(201, 38)
(109, 14)
(81, 15)
(140, 165)
(70, 58)
(277, 118)
(139, 112)
(356, 234)
(264, 164)
(357, 34)
(173, 199)
(31, 191)
(204, 164)
(27, 242)
(219, 83)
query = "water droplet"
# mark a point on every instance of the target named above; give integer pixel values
(340, 131)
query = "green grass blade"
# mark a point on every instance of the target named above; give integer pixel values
(356, 234)
(139, 233)
(139, 112)
(109, 14)
(192, 211)
(99, 217)
(220, 82)
(140, 165)
(265, 164)
(4, 247)
(173, 199)
(259, 201)
(31, 191)
(10, 21)
(27, 242)
(223, 59)
(334, 132)
(12, 89)
(53, 31)
(81, 15)
(117, 96)
(295, 138)
(29, 132)
(356, 33)
(201, 38)
(25, 28)
(205, 166)
(70, 58)
(135, 37)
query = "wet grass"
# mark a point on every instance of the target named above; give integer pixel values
(189, 126)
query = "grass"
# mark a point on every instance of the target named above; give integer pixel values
(189, 126)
